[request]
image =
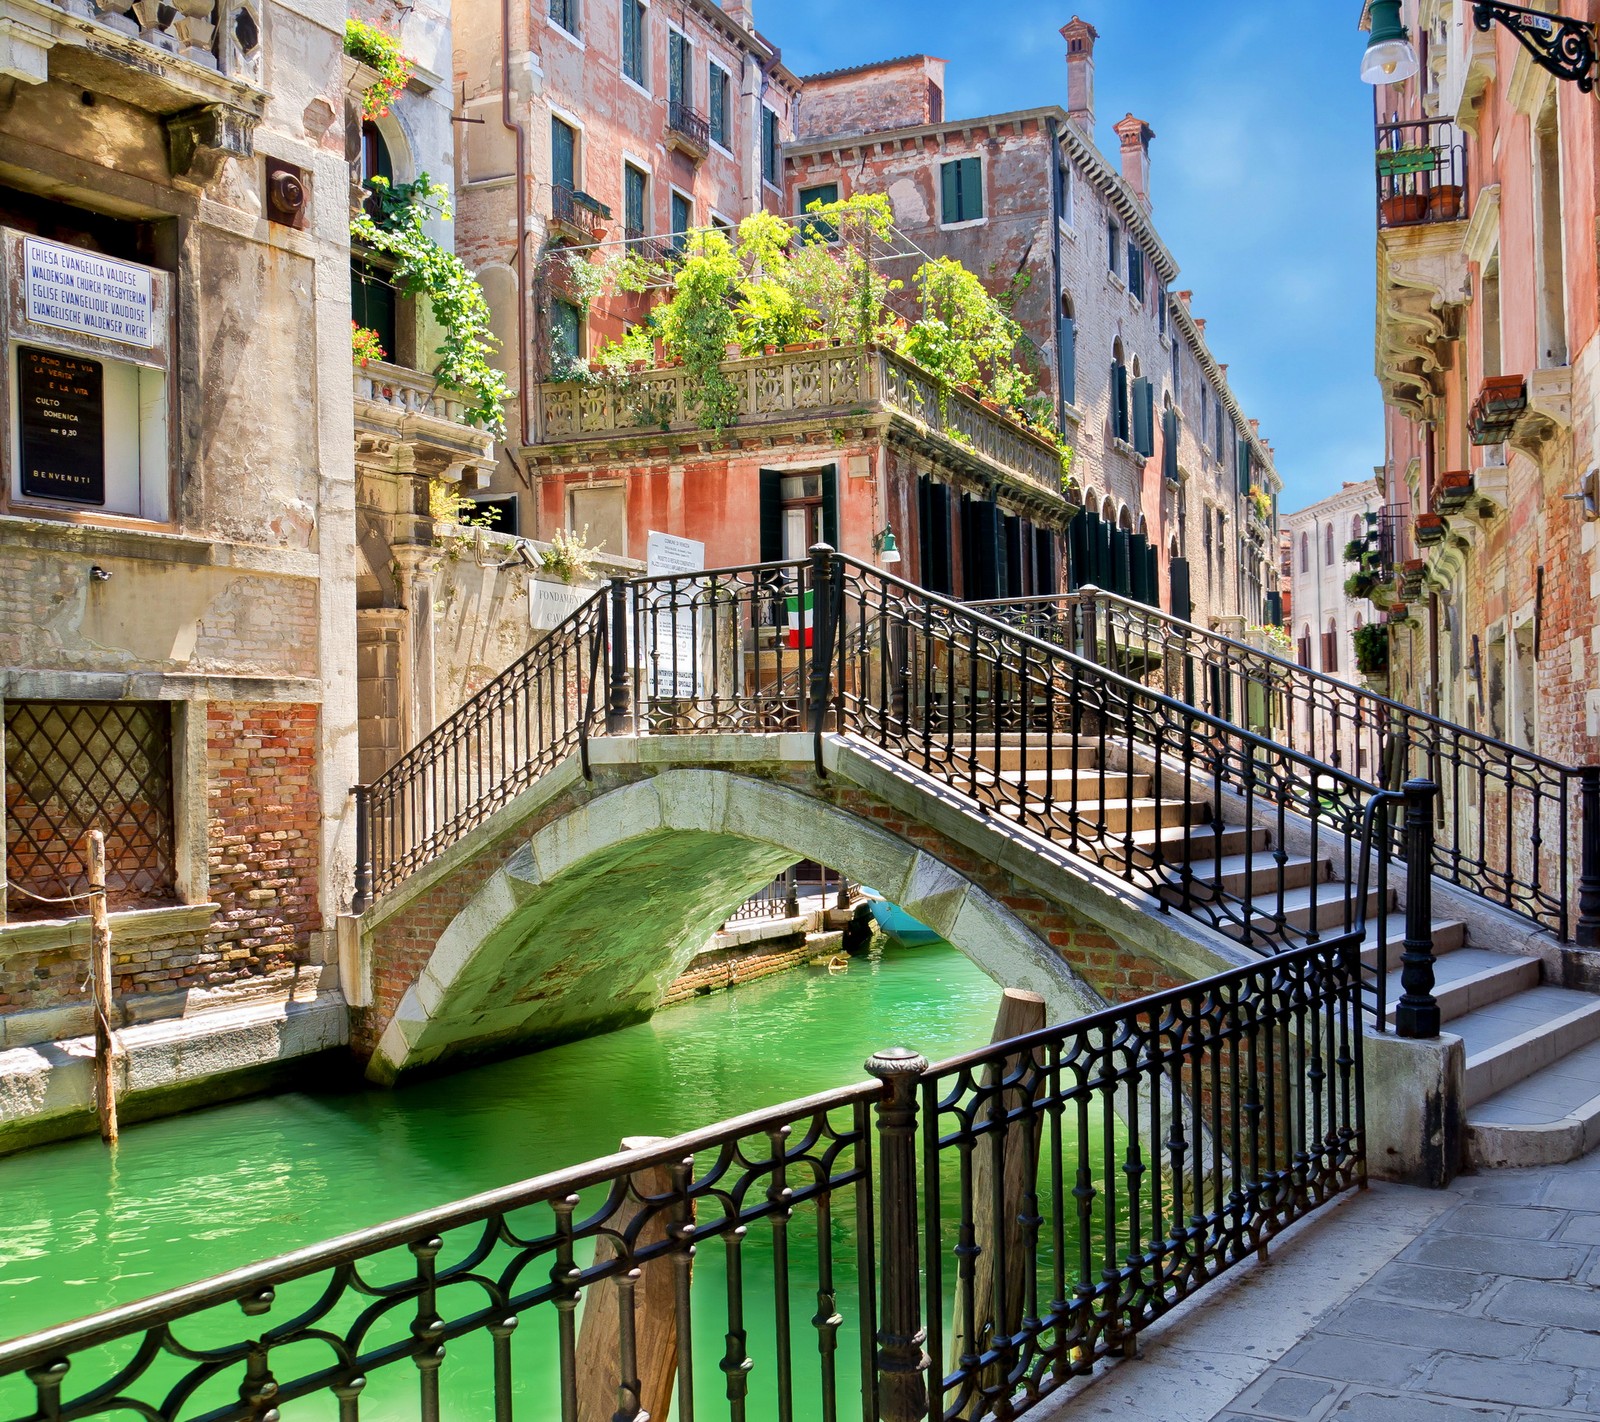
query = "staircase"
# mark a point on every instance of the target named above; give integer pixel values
(1172, 777)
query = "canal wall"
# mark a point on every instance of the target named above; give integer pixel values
(748, 954)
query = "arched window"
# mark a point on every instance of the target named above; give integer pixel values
(1330, 642)
(1108, 511)
(1067, 350)
(1357, 532)
(373, 298)
(1125, 519)
(1327, 544)
(1305, 552)
(1121, 402)
(1304, 649)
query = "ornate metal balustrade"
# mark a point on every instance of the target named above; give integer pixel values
(949, 1241)
(795, 385)
(1421, 173)
(1516, 828)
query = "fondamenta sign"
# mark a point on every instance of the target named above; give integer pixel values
(62, 401)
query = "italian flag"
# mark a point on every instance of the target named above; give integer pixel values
(799, 634)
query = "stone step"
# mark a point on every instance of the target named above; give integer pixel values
(1550, 1116)
(1468, 978)
(1333, 901)
(1115, 817)
(1204, 843)
(1264, 871)
(1060, 753)
(1449, 934)
(1508, 1041)
(1070, 786)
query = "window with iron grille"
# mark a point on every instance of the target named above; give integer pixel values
(76, 766)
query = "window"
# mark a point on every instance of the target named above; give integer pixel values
(74, 766)
(1303, 652)
(797, 511)
(1144, 414)
(1113, 247)
(1135, 271)
(1327, 544)
(1357, 532)
(563, 154)
(682, 219)
(374, 303)
(1305, 555)
(633, 56)
(1121, 417)
(602, 509)
(824, 194)
(1330, 646)
(1161, 314)
(770, 147)
(566, 331)
(717, 98)
(1169, 442)
(565, 14)
(1220, 441)
(1489, 316)
(935, 561)
(633, 202)
(680, 70)
(496, 515)
(1177, 368)
(1547, 234)
(1067, 351)
(960, 190)
(375, 163)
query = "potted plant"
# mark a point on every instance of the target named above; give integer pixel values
(1429, 530)
(1444, 202)
(1399, 172)
(1452, 491)
(1359, 585)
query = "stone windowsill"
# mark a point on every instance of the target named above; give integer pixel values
(130, 926)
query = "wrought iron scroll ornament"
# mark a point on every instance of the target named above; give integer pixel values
(1558, 43)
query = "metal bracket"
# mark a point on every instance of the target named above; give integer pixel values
(1558, 43)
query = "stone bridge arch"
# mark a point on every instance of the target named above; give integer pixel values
(577, 905)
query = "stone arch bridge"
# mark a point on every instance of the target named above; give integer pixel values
(575, 905)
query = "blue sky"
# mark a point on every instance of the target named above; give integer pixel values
(1261, 173)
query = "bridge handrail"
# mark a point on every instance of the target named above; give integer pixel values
(1539, 843)
(1274, 1142)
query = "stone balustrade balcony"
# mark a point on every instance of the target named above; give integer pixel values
(827, 385)
(410, 418)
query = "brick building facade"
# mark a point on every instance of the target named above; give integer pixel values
(1489, 365)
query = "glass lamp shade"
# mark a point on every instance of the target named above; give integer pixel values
(1390, 55)
(888, 549)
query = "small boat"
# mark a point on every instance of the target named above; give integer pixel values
(897, 924)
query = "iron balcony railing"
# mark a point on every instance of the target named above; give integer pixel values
(950, 1241)
(685, 123)
(783, 897)
(1421, 172)
(1513, 827)
(582, 216)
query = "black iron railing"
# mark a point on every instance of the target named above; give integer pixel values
(1512, 826)
(686, 123)
(523, 723)
(783, 897)
(948, 1241)
(1422, 173)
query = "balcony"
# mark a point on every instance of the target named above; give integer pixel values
(687, 131)
(1422, 173)
(576, 217)
(1453, 491)
(823, 387)
(196, 63)
(410, 423)
(1500, 403)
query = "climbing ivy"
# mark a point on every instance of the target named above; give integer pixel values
(424, 268)
(698, 324)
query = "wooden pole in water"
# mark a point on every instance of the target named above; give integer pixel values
(100, 975)
(1020, 1013)
(627, 1354)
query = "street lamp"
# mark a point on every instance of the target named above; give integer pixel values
(1390, 55)
(888, 550)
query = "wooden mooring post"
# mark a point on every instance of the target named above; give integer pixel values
(105, 1050)
(1020, 1013)
(627, 1353)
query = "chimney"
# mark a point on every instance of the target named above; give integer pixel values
(1136, 135)
(1080, 36)
(1200, 324)
(741, 12)
(1186, 297)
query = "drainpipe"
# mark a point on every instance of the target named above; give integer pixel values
(514, 126)
(1056, 214)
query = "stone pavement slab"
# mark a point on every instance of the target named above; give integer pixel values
(1472, 1304)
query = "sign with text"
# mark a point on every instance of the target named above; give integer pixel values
(673, 614)
(550, 604)
(62, 403)
(82, 291)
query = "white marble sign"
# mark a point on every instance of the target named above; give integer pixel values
(76, 290)
(550, 604)
(673, 615)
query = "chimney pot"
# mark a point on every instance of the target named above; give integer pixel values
(1080, 36)
(1136, 134)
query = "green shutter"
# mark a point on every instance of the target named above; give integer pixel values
(771, 516)
(830, 506)
(1143, 411)
(563, 154)
(1067, 341)
(950, 194)
(971, 189)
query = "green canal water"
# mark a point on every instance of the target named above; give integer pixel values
(82, 1229)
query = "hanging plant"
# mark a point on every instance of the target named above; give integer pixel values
(424, 268)
(698, 324)
(381, 53)
(1372, 649)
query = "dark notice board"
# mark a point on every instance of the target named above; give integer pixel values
(62, 400)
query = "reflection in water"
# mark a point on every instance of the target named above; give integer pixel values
(81, 1229)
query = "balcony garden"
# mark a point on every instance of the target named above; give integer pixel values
(1453, 491)
(732, 305)
(1500, 404)
(1421, 173)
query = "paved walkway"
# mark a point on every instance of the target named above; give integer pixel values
(1474, 1303)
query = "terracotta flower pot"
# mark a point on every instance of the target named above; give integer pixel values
(1403, 209)
(1444, 203)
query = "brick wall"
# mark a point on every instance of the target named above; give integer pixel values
(729, 967)
(263, 814)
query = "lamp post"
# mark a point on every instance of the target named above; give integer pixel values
(1564, 46)
(885, 546)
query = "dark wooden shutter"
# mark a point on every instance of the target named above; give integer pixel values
(949, 192)
(1047, 573)
(943, 559)
(1079, 544)
(1152, 576)
(979, 551)
(830, 506)
(677, 68)
(771, 516)
(1143, 440)
(563, 154)
(1067, 341)
(1137, 547)
(1169, 445)
(1010, 578)
(1180, 601)
(925, 531)
(1121, 572)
